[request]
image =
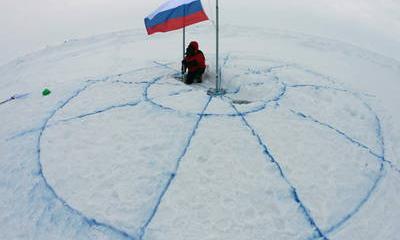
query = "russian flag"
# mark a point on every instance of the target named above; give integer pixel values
(175, 14)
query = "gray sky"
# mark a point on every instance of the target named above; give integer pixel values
(29, 25)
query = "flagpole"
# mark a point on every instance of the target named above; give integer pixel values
(218, 91)
(184, 45)
(218, 80)
(184, 49)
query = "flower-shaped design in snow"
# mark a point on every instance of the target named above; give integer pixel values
(286, 152)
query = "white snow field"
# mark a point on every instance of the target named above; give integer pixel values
(305, 145)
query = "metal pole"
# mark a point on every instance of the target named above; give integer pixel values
(184, 49)
(218, 91)
(218, 80)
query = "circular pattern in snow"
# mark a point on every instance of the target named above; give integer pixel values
(155, 124)
(253, 94)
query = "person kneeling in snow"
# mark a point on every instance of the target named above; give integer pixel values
(195, 63)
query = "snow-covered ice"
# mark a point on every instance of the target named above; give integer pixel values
(302, 146)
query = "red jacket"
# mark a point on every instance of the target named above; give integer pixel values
(195, 61)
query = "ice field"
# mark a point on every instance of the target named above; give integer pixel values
(305, 144)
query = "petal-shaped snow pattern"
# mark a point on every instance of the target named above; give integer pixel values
(319, 163)
(127, 180)
(222, 192)
(339, 108)
(98, 98)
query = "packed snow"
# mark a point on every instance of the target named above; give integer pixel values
(304, 145)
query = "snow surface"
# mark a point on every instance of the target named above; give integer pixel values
(305, 145)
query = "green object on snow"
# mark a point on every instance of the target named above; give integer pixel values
(46, 92)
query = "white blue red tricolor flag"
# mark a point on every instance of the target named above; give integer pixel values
(175, 14)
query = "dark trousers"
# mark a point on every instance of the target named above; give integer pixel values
(195, 76)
